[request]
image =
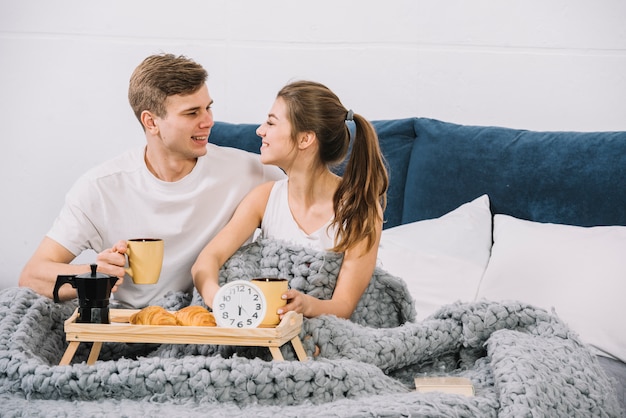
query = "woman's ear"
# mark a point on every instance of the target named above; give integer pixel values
(306, 139)
(149, 122)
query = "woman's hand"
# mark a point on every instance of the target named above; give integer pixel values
(297, 302)
(209, 290)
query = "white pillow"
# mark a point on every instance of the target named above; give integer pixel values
(442, 260)
(580, 272)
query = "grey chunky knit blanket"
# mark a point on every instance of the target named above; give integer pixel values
(522, 360)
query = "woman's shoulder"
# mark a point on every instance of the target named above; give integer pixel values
(263, 190)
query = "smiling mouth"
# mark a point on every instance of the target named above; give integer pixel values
(199, 138)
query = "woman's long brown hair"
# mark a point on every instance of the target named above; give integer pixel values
(313, 107)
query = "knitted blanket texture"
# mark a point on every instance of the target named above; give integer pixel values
(523, 361)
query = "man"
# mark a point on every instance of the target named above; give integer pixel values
(178, 188)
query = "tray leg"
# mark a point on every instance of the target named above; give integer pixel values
(297, 345)
(69, 353)
(276, 353)
(95, 352)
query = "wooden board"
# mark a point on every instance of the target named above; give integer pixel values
(120, 330)
(445, 384)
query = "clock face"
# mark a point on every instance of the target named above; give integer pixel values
(239, 304)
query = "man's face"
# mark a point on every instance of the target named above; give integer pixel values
(185, 129)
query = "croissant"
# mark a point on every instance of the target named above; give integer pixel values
(153, 315)
(195, 315)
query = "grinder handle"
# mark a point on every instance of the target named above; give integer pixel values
(61, 280)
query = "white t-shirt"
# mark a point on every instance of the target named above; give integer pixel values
(278, 222)
(121, 199)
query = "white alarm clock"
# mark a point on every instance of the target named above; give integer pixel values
(239, 304)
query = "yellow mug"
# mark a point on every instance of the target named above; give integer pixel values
(272, 289)
(145, 258)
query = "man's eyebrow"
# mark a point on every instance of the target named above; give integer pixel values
(271, 115)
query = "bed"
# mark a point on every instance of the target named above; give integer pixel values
(470, 208)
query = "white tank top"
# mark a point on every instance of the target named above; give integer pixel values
(278, 222)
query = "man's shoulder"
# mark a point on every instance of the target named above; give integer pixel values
(129, 161)
(231, 157)
(241, 162)
(213, 149)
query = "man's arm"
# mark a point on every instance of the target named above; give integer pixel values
(41, 271)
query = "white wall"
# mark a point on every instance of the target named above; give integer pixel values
(65, 64)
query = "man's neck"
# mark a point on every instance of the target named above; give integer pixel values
(167, 167)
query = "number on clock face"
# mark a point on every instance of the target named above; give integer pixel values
(239, 304)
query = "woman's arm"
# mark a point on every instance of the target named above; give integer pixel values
(245, 220)
(354, 277)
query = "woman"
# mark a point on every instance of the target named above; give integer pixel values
(305, 135)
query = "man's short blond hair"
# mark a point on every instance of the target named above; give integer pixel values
(161, 76)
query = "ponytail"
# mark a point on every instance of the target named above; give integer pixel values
(362, 190)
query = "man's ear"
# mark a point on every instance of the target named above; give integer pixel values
(149, 122)
(305, 139)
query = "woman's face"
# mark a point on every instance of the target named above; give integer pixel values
(277, 145)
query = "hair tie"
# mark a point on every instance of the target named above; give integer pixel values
(350, 116)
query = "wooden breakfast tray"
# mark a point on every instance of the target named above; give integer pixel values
(120, 330)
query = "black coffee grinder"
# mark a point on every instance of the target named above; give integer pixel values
(94, 290)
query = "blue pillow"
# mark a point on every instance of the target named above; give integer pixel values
(236, 135)
(574, 178)
(396, 138)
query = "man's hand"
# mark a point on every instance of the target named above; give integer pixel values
(112, 261)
